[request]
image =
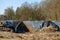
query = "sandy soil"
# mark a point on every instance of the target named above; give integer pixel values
(43, 34)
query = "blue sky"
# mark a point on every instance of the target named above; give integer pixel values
(14, 3)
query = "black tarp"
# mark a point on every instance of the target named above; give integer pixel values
(21, 28)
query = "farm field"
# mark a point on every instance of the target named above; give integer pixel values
(43, 34)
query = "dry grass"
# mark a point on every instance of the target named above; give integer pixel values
(47, 33)
(4, 29)
(48, 29)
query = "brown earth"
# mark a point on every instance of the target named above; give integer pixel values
(46, 33)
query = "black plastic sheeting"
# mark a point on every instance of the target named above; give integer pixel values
(37, 25)
(21, 28)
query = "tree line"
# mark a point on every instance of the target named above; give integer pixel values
(45, 10)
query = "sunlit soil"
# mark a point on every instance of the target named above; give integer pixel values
(43, 34)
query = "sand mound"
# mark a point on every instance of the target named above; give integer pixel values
(48, 29)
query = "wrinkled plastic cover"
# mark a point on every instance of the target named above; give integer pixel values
(34, 24)
(37, 24)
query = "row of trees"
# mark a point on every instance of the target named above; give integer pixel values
(46, 10)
